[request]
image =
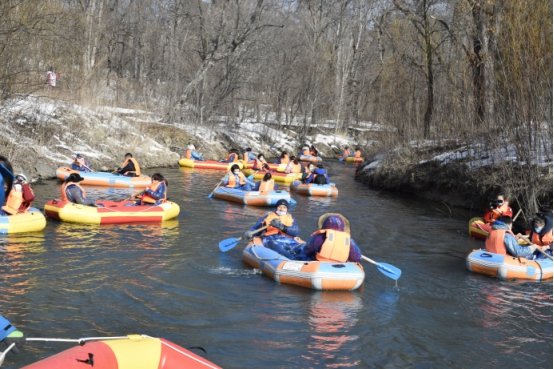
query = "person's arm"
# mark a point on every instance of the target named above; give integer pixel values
(515, 249)
(158, 194)
(355, 254)
(225, 180)
(293, 230)
(313, 245)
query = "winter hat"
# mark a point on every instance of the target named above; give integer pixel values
(334, 221)
(21, 177)
(282, 202)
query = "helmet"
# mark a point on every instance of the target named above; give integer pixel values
(282, 202)
(21, 177)
(334, 221)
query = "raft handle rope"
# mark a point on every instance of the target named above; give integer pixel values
(185, 353)
(3, 354)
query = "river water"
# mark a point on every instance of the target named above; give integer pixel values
(171, 281)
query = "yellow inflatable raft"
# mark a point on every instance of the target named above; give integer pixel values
(30, 221)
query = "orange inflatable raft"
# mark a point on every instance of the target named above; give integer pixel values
(110, 212)
(130, 352)
(285, 178)
(508, 267)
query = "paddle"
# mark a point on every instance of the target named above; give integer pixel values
(388, 270)
(229, 243)
(211, 195)
(3, 354)
(527, 242)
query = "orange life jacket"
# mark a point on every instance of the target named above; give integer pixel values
(495, 242)
(336, 246)
(357, 154)
(493, 214)
(285, 160)
(63, 194)
(149, 199)
(188, 154)
(135, 163)
(285, 219)
(546, 239)
(233, 180)
(266, 186)
(14, 201)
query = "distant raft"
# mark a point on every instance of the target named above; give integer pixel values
(253, 198)
(30, 221)
(507, 267)
(478, 228)
(318, 275)
(310, 158)
(105, 179)
(274, 167)
(111, 212)
(352, 159)
(312, 189)
(131, 352)
(285, 178)
(207, 164)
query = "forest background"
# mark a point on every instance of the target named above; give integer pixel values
(474, 76)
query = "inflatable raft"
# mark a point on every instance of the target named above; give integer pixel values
(507, 267)
(110, 212)
(351, 159)
(312, 189)
(207, 164)
(30, 221)
(131, 352)
(105, 179)
(318, 275)
(310, 158)
(254, 198)
(478, 228)
(285, 178)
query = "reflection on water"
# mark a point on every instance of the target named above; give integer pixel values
(331, 317)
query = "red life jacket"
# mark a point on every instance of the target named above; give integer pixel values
(493, 214)
(63, 194)
(495, 242)
(149, 199)
(336, 246)
(285, 220)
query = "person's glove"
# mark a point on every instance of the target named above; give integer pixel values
(277, 224)
(248, 235)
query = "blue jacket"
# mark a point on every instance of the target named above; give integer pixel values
(318, 172)
(512, 246)
(159, 194)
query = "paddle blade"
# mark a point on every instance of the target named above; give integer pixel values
(228, 243)
(389, 270)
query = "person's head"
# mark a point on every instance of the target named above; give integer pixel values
(191, 147)
(78, 156)
(157, 177)
(281, 207)
(248, 149)
(261, 156)
(74, 178)
(311, 167)
(357, 149)
(498, 201)
(284, 154)
(334, 221)
(235, 169)
(267, 176)
(345, 147)
(21, 178)
(506, 220)
(538, 224)
(128, 155)
(320, 166)
(295, 160)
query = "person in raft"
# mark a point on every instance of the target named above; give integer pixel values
(20, 197)
(71, 191)
(540, 234)
(191, 153)
(307, 173)
(156, 193)
(497, 208)
(260, 163)
(6, 178)
(318, 176)
(266, 185)
(331, 242)
(81, 164)
(284, 158)
(502, 241)
(280, 235)
(130, 167)
(293, 166)
(232, 156)
(236, 179)
(248, 156)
